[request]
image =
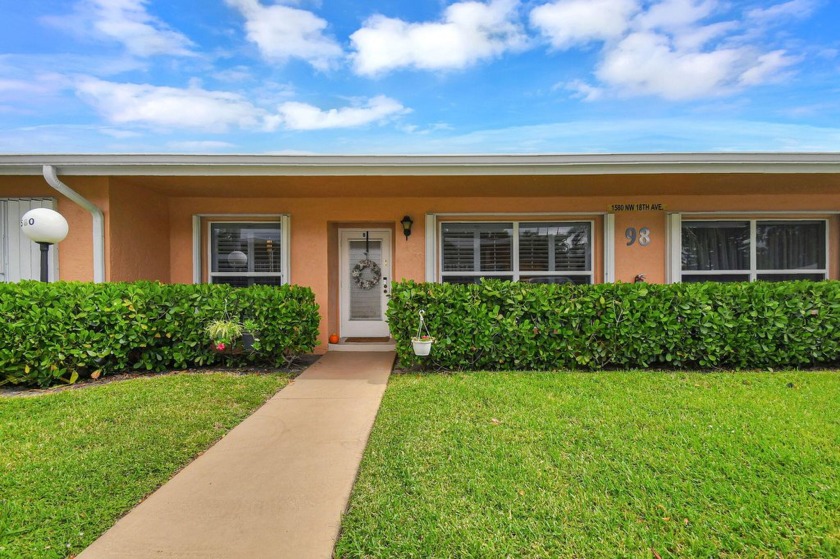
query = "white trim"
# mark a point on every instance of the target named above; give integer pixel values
(286, 247)
(759, 213)
(795, 271)
(431, 233)
(609, 248)
(673, 238)
(528, 274)
(420, 165)
(517, 214)
(244, 216)
(4, 248)
(196, 249)
(753, 272)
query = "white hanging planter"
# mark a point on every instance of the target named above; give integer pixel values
(422, 346)
(422, 342)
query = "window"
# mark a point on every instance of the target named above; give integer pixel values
(243, 254)
(747, 250)
(537, 252)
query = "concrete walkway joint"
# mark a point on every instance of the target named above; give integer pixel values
(276, 485)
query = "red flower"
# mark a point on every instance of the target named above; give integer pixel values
(220, 346)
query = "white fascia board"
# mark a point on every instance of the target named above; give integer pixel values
(420, 165)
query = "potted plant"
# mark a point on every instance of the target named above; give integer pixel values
(224, 333)
(422, 345)
(250, 336)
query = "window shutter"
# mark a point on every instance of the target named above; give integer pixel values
(20, 258)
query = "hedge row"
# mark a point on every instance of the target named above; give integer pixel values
(60, 331)
(518, 326)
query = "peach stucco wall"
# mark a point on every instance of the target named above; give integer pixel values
(140, 243)
(149, 220)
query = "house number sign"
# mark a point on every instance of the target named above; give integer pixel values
(642, 236)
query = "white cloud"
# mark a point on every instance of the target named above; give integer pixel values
(672, 15)
(302, 116)
(647, 64)
(169, 107)
(38, 85)
(568, 23)
(127, 22)
(468, 33)
(582, 90)
(282, 33)
(792, 9)
(768, 67)
(195, 108)
(673, 49)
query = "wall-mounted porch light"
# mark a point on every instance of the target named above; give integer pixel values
(406, 225)
(46, 227)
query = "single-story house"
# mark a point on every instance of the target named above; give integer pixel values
(336, 223)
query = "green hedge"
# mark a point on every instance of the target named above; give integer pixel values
(59, 331)
(518, 326)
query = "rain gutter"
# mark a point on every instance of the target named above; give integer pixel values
(98, 220)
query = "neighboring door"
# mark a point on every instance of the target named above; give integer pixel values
(20, 258)
(364, 276)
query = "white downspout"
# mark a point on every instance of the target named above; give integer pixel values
(98, 221)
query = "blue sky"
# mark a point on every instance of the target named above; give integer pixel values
(496, 76)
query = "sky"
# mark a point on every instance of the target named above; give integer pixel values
(419, 77)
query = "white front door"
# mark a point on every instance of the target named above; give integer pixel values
(364, 281)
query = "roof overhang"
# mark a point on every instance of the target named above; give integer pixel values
(419, 165)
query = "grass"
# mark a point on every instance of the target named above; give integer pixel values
(73, 462)
(628, 464)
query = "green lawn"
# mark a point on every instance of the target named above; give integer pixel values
(73, 462)
(631, 464)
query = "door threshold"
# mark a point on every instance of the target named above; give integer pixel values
(344, 345)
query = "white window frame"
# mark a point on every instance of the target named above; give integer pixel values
(676, 222)
(202, 227)
(515, 272)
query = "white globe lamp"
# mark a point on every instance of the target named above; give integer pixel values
(46, 227)
(238, 259)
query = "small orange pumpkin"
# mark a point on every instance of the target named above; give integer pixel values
(333, 338)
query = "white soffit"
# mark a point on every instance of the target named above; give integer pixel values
(419, 165)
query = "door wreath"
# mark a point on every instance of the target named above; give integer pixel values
(375, 274)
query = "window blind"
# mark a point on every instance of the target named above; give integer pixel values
(470, 251)
(245, 253)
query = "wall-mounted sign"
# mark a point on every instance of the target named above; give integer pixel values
(636, 208)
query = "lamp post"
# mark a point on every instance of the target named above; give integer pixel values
(46, 227)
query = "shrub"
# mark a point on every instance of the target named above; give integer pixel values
(59, 331)
(519, 326)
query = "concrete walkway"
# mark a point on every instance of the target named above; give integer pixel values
(276, 485)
